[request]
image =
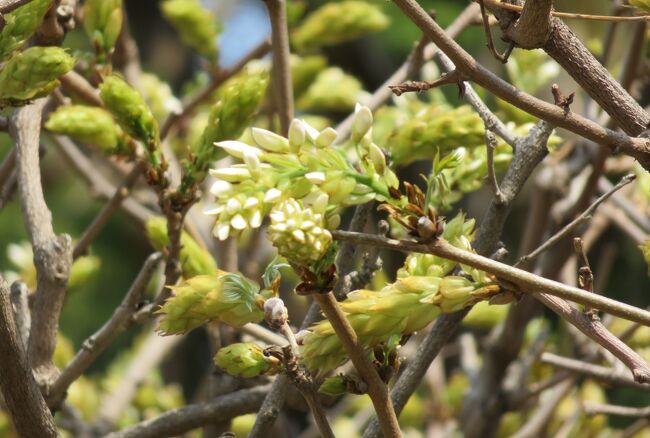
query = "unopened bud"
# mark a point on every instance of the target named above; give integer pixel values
(275, 312)
(269, 140)
(326, 137)
(361, 123)
(377, 157)
(297, 135)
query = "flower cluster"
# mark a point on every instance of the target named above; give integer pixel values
(20, 24)
(401, 307)
(103, 23)
(306, 167)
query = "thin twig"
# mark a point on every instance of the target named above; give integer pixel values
(592, 409)
(633, 429)
(180, 420)
(102, 218)
(283, 87)
(22, 398)
(526, 281)
(585, 215)
(603, 374)
(377, 390)
(517, 8)
(488, 34)
(96, 343)
(490, 145)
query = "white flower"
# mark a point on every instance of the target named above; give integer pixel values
(326, 137)
(220, 188)
(272, 195)
(316, 177)
(297, 135)
(221, 231)
(231, 174)
(361, 123)
(237, 148)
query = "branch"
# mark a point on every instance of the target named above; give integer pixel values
(110, 208)
(96, 343)
(281, 63)
(585, 215)
(52, 254)
(592, 409)
(24, 402)
(603, 374)
(527, 282)
(517, 8)
(20, 308)
(180, 420)
(636, 147)
(533, 28)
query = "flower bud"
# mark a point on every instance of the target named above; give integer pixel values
(335, 385)
(33, 73)
(316, 177)
(361, 123)
(252, 162)
(20, 24)
(196, 25)
(326, 137)
(237, 148)
(231, 174)
(103, 22)
(377, 157)
(269, 140)
(297, 135)
(275, 313)
(246, 360)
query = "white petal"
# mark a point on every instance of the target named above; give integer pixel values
(316, 177)
(238, 148)
(222, 231)
(220, 188)
(213, 210)
(270, 140)
(297, 135)
(256, 219)
(233, 206)
(361, 123)
(251, 202)
(231, 174)
(299, 235)
(326, 137)
(272, 194)
(311, 131)
(238, 222)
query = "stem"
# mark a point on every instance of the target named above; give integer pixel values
(377, 390)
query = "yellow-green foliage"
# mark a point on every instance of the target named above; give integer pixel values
(196, 25)
(103, 22)
(20, 24)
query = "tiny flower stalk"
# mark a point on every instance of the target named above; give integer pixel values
(20, 24)
(230, 298)
(32, 73)
(306, 167)
(91, 125)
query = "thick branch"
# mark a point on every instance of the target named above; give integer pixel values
(52, 254)
(533, 27)
(25, 404)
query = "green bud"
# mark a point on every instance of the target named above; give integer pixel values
(246, 359)
(361, 123)
(133, 114)
(226, 297)
(228, 119)
(298, 233)
(334, 23)
(196, 25)
(195, 260)
(33, 73)
(92, 125)
(20, 24)
(333, 90)
(103, 23)
(335, 385)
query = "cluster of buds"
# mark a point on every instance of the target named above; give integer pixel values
(334, 23)
(103, 23)
(299, 233)
(196, 25)
(20, 24)
(332, 90)
(159, 96)
(422, 291)
(32, 73)
(230, 298)
(304, 167)
(247, 359)
(90, 125)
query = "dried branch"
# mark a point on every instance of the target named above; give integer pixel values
(637, 147)
(283, 87)
(181, 420)
(453, 77)
(52, 254)
(24, 402)
(585, 215)
(603, 374)
(377, 390)
(96, 343)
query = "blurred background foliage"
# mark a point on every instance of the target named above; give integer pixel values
(122, 246)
